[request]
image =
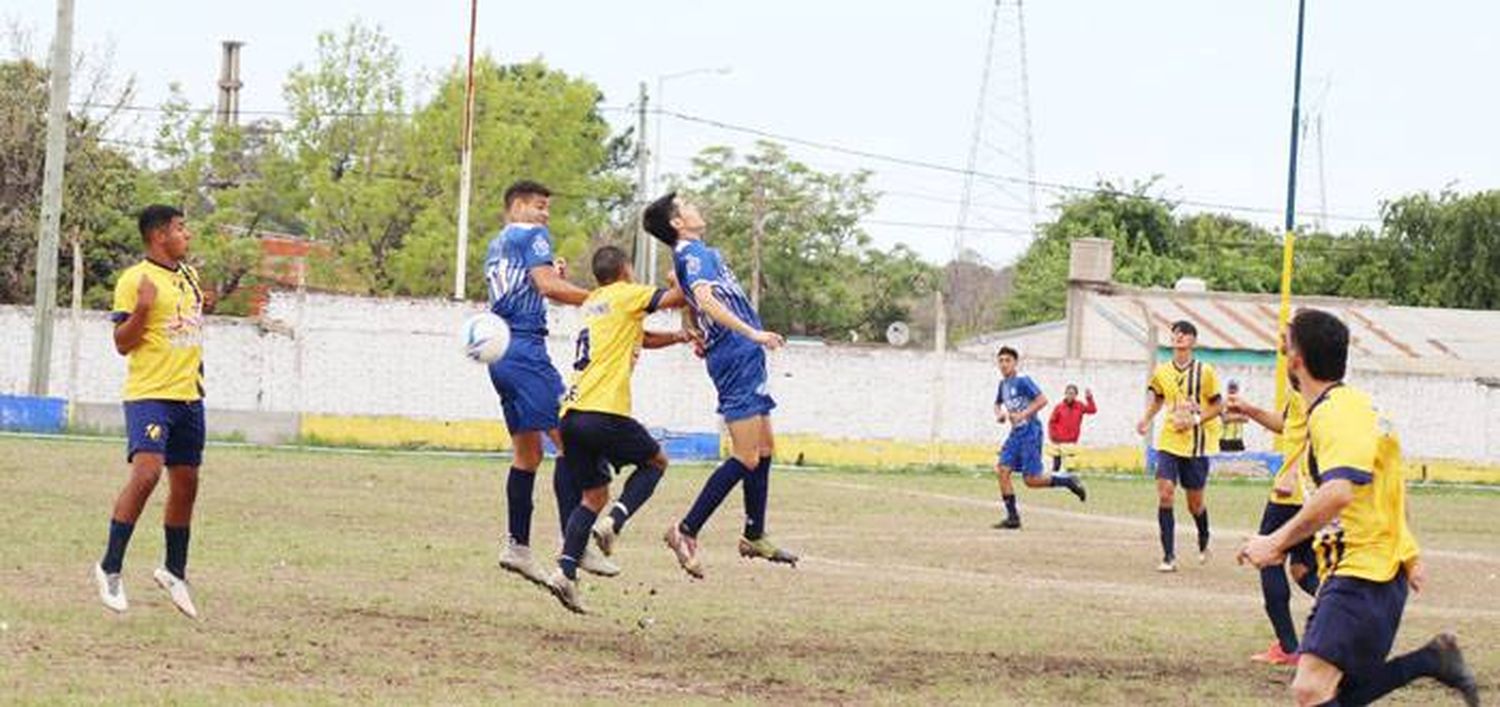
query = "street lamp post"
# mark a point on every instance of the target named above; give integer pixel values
(661, 83)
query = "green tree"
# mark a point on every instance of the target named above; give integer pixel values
(819, 274)
(530, 121)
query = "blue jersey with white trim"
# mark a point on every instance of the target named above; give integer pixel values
(697, 263)
(1015, 394)
(517, 249)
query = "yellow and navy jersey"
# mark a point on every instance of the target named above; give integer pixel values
(1293, 471)
(607, 346)
(1184, 392)
(168, 363)
(1349, 440)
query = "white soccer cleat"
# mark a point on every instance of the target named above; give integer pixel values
(177, 589)
(518, 559)
(1203, 556)
(594, 562)
(111, 590)
(566, 591)
(1167, 566)
(605, 535)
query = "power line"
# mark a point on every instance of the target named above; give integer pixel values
(950, 169)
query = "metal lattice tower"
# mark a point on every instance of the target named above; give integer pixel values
(1001, 144)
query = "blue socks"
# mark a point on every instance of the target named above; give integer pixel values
(576, 539)
(1277, 593)
(114, 552)
(1202, 520)
(757, 494)
(638, 489)
(719, 484)
(567, 492)
(1168, 525)
(177, 550)
(518, 504)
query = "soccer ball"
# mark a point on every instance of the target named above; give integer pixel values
(485, 337)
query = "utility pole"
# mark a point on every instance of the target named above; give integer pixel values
(466, 166)
(645, 246)
(52, 185)
(757, 234)
(1290, 234)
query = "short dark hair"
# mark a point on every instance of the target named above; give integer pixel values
(1071, 386)
(1186, 327)
(524, 187)
(1323, 342)
(609, 264)
(154, 217)
(657, 219)
(1008, 350)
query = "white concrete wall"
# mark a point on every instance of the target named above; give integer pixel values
(345, 355)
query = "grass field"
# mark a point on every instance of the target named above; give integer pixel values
(329, 577)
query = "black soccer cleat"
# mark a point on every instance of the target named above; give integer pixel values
(1079, 490)
(1453, 670)
(1010, 523)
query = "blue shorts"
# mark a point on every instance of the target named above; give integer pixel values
(529, 386)
(739, 374)
(1275, 516)
(1190, 473)
(172, 428)
(1354, 622)
(1022, 450)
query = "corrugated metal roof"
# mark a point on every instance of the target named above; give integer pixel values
(1381, 335)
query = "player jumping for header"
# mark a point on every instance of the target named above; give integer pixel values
(734, 344)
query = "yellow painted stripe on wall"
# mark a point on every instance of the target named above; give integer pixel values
(405, 432)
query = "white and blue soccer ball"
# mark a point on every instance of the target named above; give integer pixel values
(485, 337)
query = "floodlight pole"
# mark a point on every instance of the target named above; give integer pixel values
(52, 196)
(1290, 237)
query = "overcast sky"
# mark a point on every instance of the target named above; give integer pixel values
(1196, 91)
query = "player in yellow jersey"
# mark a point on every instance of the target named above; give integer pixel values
(1285, 499)
(1189, 391)
(1367, 556)
(158, 315)
(596, 423)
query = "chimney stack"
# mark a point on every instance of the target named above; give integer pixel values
(229, 84)
(1091, 266)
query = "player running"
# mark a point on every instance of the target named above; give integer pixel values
(1367, 556)
(597, 429)
(1189, 389)
(158, 315)
(734, 344)
(1018, 401)
(1286, 497)
(520, 272)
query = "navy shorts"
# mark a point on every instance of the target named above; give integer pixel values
(1022, 450)
(1354, 622)
(739, 374)
(172, 428)
(594, 438)
(1190, 473)
(1275, 516)
(528, 384)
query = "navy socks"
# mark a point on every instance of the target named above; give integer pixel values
(518, 488)
(114, 552)
(719, 484)
(757, 493)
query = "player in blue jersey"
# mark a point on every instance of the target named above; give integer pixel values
(522, 274)
(1018, 402)
(734, 345)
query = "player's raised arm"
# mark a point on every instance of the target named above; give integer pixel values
(555, 287)
(663, 339)
(710, 305)
(130, 326)
(1265, 418)
(1153, 406)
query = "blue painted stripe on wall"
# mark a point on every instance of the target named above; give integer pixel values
(28, 414)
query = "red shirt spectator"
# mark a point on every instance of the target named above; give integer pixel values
(1066, 422)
